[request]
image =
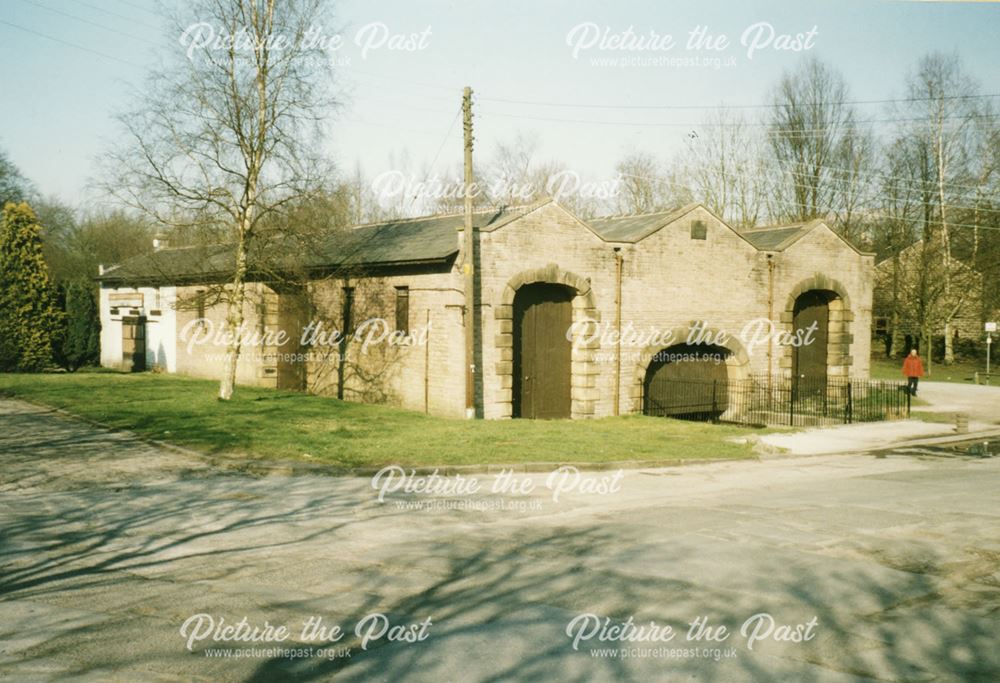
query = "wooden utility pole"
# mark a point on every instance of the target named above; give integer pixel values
(468, 263)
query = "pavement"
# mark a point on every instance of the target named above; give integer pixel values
(941, 399)
(118, 554)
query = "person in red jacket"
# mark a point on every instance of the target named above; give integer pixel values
(913, 368)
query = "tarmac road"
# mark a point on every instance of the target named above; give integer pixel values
(110, 546)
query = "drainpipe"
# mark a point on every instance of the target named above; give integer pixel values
(770, 316)
(618, 330)
(427, 362)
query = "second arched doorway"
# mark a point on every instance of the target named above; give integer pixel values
(811, 331)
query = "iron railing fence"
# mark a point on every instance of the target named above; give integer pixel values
(778, 401)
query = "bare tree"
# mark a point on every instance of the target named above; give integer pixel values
(812, 135)
(724, 163)
(223, 139)
(895, 232)
(76, 246)
(646, 185)
(510, 172)
(14, 187)
(641, 183)
(855, 189)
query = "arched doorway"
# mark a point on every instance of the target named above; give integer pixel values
(543, 314)
(811, 325)
(688, 381)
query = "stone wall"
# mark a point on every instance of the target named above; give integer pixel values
(546, 245)
(201, 349)
(673, 285)
(821, 260)
(420, 371)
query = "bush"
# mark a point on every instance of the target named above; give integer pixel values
(28, 316)
(79, 344)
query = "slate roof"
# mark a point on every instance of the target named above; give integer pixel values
(635, 228)
(776, 238)
(416, 240)
(428, 240)
(173, 265)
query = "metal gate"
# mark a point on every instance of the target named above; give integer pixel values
(687, 381)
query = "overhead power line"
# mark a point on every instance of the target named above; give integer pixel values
(69, 44)
(844, 175)
(85, 21)
(950, 224)
(704, 124)
(592, 105)
(444, 141)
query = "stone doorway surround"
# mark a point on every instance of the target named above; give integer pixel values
(838, 353)
(583, 369)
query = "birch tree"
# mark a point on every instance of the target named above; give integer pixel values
(940, 108)
(223, 135)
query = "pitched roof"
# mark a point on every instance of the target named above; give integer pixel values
(776, 237)
(173, 264)
(408, 240)
(425, 240)
(637, 227)
(781, 237)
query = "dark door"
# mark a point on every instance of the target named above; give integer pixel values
(292, 318)
(133, 343)
(809, 360)
(687, 381)
(543, 314)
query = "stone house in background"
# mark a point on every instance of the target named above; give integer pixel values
(917, 278)
(688, 296)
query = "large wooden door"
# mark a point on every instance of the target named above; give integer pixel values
(687, 381)
(543, 314)
(809, 361)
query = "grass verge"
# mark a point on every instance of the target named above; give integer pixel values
(264, 423)
(962, 373)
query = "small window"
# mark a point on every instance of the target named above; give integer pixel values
(403, 309)
(699, 231)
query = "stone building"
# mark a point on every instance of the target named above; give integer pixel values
(912, 303)
(573, 318)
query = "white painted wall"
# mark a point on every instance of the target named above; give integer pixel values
(161, 329)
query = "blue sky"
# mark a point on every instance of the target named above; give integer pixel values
(60, 97)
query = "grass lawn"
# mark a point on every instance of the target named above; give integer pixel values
(958, 372)
(264, 423)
